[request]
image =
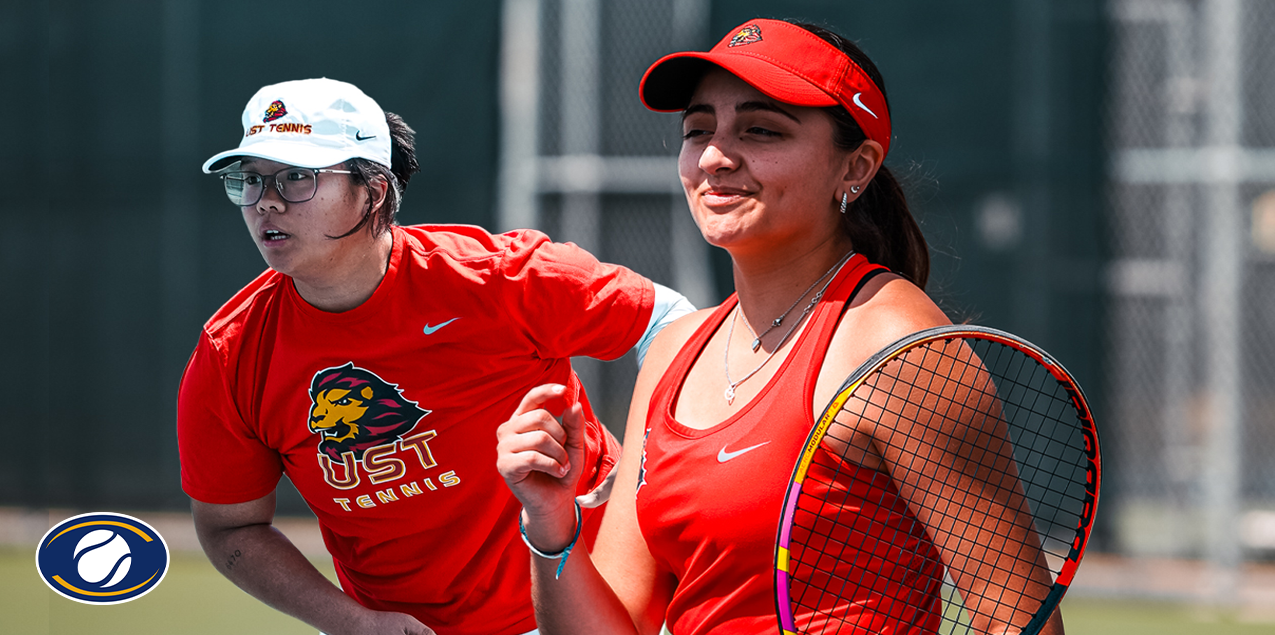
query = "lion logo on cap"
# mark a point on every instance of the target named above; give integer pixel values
(750, 34)
(353, 410)
(276, 110)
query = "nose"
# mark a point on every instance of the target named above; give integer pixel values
(718, 156)
(271, 198)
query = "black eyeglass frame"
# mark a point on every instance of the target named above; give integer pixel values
(277, 184)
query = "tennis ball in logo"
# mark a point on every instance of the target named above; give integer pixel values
(101, 558)
(102, 554)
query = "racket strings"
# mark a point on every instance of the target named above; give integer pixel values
(876, 529)
(965, 413)
(1034, 394)
(1051, 461)
(943, 390)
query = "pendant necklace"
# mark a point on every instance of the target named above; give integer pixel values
(730, 385)
(780, 320)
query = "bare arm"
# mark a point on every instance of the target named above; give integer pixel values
(954, 464)
(951, 455)
(618, 588)
(244, 546)
(621, 553)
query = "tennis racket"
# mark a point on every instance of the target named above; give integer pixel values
(949, 487)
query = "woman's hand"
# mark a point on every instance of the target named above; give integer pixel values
(541, 459)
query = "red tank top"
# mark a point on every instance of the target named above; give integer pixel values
(709, 501)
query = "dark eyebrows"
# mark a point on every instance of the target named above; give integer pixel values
(765, 106)
(697, 108)
(748, 106)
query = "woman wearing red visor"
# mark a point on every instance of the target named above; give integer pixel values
(785, 130)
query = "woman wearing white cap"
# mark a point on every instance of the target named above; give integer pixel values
(371, 364)
(785, 130)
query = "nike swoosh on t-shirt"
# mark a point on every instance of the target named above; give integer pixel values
(429, 330)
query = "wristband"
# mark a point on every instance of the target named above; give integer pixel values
(561, 556)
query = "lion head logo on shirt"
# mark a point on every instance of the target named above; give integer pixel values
(354, 410)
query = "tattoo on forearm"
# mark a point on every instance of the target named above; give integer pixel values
(233, 558)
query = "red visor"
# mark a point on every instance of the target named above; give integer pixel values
(784, 62)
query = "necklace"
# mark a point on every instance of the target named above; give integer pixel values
(730, 385)
(780, 320)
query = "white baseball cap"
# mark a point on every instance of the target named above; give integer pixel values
(310, 123)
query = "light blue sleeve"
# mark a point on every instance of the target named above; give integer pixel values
(669, 305)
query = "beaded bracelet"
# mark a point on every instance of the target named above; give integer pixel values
(561, 555)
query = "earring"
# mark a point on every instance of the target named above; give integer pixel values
(844, 200)
(854, 189)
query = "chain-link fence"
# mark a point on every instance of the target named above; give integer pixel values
(1191, 334)
(586, 162)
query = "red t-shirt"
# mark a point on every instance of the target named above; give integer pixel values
(709, 501)
(384, 416)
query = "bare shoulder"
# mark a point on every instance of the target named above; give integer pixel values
(670, 340)
(890, 307)
(659, 357)
(886, 309)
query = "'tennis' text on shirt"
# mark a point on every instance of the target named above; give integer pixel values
(382, 464)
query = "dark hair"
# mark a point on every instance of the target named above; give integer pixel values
(403, 165)
(879, 223)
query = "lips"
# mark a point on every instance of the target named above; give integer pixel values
(269, 233)
(723, 195)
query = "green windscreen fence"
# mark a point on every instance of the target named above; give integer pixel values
(115, 248)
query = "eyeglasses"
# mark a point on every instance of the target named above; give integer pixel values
(295, 185)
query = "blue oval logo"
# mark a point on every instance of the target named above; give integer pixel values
(102, 558)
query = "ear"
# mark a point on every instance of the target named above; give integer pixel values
(860, 166)
(381, 187)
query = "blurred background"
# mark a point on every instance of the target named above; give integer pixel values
(1096, 176)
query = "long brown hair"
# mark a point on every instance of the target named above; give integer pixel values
(879, 222)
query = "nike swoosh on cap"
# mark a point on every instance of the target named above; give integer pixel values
(358, 135)
(865, 108)
(429, 330)
(724, 456)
